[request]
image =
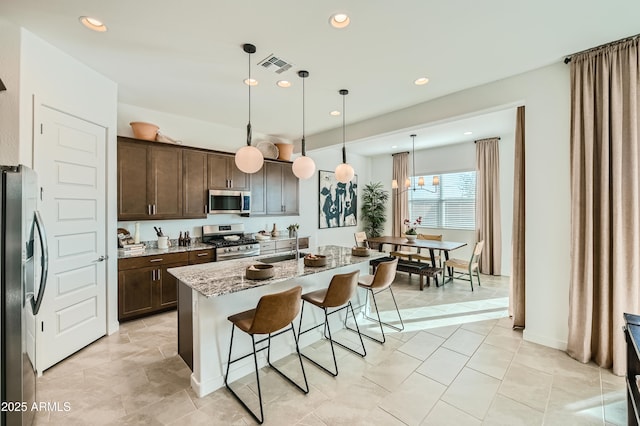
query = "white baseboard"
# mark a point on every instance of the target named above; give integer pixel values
(544, 340)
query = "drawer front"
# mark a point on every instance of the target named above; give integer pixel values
(266, 246)
(144, 261)
(286, 245)
(303, 242)
(201, 256)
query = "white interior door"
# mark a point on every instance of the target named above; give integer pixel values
(70, 159)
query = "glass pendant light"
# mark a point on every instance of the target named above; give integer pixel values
(249, 159)
(344, 171)
(303, 166)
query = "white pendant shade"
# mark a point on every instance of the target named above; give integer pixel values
(303, 167)
(394, 184)
(344, 172)
(249, 159)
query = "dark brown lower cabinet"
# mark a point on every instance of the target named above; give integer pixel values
(144, 285)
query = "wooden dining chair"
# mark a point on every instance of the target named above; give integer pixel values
(361, 239)
(422, 256)
(465, 268)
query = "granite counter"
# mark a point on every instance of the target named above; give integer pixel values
(220, 278)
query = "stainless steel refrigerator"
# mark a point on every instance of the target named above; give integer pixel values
(23, 261)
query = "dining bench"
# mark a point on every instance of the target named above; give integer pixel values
(423, 270)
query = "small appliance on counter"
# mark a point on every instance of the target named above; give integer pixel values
(230, 241)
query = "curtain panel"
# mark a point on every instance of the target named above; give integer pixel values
(517, 280)
(488, 205)
(605, 202)
(400, 199)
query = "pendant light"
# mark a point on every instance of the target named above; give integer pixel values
(344, 171)
(303, 166)
(407, 183)
(249, 159)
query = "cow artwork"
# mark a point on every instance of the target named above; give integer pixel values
(338, 201)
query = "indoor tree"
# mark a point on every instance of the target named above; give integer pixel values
(373, 210)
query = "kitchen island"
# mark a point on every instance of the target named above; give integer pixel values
(210, 292)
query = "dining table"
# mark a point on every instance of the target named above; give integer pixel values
(419, 244)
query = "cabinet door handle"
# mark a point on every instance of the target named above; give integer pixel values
(156, 260)
(149, 209)
(154, 209)
(230, 183)
(153, 275)
(203, 254)
(205, 209)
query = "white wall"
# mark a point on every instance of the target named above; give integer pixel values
(192, 132)
(545, 93)
(9, 99)
(201, 134)
(50, 77)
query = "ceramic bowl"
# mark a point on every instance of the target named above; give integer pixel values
(146, 131)
(317, 260)
(260, 272)
(360, 251)
(284, 151)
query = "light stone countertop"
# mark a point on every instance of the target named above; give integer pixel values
(220, 278)
(154, 250)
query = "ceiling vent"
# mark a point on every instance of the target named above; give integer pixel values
(275, 64)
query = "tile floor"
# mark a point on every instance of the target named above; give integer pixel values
(458, 362)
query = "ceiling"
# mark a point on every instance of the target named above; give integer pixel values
(186, 57)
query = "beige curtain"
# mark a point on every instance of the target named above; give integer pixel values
(400, 200)
(488, 204)
(605, 201)
(516, 283)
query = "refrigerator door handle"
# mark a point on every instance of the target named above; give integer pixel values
(44, 263)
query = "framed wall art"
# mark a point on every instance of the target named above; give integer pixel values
(338, 202)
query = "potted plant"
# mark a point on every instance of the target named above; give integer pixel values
(374, 208)
(293, 229)
(411, 233)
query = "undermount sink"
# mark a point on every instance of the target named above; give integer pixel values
(281, 257)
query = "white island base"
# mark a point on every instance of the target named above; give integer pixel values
(203, 308)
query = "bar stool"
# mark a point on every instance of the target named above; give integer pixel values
(337, 295)
(381, 280)
(273, 313)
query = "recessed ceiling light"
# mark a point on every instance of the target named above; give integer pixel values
(339, 20)
(284, 83)
(467, 133)
(93, 24)
(250, 81)
(394, 146)
(421, 81)
(335, 113)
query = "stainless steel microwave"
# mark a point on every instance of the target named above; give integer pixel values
(226, 201)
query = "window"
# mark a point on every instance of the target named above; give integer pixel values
(452, 206)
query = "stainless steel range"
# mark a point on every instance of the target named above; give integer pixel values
(229, 241)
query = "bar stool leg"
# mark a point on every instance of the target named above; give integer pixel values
(328, 336)
(304, 375)
(255, 362)
(379, 320)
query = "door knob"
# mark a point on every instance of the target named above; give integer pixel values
(101, 259)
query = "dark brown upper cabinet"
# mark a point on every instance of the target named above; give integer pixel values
(149, 180)
(274, 190)
(194, 197)
(224, 174)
